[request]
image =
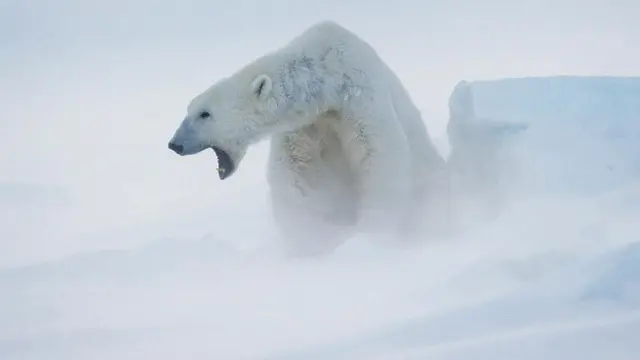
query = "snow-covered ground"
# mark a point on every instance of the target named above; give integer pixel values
(556, 276)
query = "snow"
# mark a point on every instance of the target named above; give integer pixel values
(554, 276)
(581, 130)
(511, 290)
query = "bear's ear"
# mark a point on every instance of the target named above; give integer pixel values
(261, 86)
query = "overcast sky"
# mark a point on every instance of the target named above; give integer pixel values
(92, 90)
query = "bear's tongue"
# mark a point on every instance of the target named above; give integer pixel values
(225, 165)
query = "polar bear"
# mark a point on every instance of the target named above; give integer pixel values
(349, 151)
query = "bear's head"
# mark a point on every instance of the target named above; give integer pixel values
(228, 117)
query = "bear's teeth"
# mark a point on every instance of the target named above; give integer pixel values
(221, 170)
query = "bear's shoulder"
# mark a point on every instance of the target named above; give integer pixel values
(326, 38)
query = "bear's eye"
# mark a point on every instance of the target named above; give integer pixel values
(204, 115)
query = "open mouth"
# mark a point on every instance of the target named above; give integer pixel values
(225, 164)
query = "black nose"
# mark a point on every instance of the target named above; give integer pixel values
(175, 147)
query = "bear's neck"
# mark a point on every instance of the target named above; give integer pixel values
(299, 88)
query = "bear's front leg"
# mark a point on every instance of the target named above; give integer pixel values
(379, 153)
(313, 212)
(384, 190)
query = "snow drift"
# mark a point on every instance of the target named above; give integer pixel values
(581, 131)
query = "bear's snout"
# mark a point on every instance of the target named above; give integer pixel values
(178, 149)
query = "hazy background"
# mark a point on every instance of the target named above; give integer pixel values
(91, 91)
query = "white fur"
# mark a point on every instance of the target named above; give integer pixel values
(349, 150)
